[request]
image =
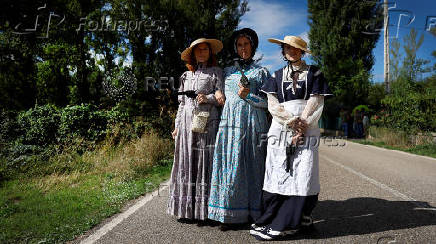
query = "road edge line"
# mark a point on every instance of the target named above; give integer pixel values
(122, 216)
(376, 183)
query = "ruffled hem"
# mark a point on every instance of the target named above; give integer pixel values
(181, 207)
(232, 216)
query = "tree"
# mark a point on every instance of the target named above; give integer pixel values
(52, 69)
(433, 69)
(406, 77)
(17, 59)
(395, 58)
(156, 52)
(341, 45)
(412, 65)
(65, 67)
(411, 103)
(375, 96)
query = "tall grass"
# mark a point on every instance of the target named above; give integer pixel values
(124, 161)
(81, 188)
(388, 136)
(421, 144)
(397, 138)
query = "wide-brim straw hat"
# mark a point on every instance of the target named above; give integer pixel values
(215, 45)
(294, 41)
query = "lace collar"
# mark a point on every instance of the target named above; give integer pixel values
(302, 67)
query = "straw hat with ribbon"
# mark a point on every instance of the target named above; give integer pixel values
(215, 45)
(293, 41)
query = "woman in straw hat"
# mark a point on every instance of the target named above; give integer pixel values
(190, 176)
(291, 183)
(238, 162)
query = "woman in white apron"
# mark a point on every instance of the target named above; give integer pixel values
(291, 183)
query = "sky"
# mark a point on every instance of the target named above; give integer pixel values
(278, 18)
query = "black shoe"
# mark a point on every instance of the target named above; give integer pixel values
(207, 222)
(201, 223)
(186, 221)
(212, 223)
(225, 227)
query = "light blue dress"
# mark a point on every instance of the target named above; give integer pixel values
(240, 150)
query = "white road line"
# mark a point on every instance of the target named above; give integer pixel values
(427, 209)
(109, 226)
(377, 183)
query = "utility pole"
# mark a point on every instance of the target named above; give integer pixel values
(386, 45)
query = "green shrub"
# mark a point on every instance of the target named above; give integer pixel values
(361, 108)
(118, 115)
(39, 125)
(8, 126)
(410, 106)
(34, 139)
(405, 113)
(163, 125)
(46, 124)
(83, 121)
(30, 160)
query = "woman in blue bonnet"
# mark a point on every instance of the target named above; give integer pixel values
(239, 157)
(291, 183)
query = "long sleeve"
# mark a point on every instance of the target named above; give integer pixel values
(256, 101)
(219, 86)
(257, 98)
(181, 99)
(313, 110)
(278, 111)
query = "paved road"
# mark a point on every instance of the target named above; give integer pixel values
(368, 195)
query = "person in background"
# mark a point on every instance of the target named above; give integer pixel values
(365, 123)
(344, 121)
(357, 123)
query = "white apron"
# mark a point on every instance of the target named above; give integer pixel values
(303, 178)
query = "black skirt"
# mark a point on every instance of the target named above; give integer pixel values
(283, 213)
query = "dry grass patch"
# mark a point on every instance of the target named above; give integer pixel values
(117, 162)
(389, 136)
